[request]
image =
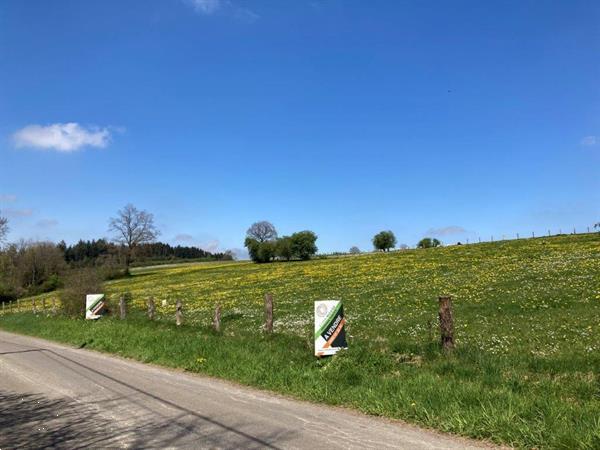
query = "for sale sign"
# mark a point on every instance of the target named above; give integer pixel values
(94, 306)
(330, 335)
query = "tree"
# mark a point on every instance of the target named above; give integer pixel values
(428, 243)
(384, 241)
(354, 250)
(132, 228)
(3, 229)
(304, 244)
(260, 252)
(284, 248)
(262, 231)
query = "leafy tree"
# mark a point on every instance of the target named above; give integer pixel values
(262, 231)
(384, 241)
(3, 229)
(260, 252)
(354, 250)
(284, 248)
(132, 228)
(428, 243)
(304, 244)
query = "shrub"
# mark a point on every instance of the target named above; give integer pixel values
(354, 250)
(78, 284)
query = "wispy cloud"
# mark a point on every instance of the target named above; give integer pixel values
(6, 198)
(204, 241)
(206, 6)
(446, 231)
(227, 7)
(183, 237)
(211, 246)
(588, 141)
(10, 212)
(61, 137)
(46, 223)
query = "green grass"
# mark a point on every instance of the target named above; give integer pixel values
(526, 371)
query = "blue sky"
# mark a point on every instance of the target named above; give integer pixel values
(453, 119)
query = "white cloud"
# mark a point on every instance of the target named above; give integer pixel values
(206, 6)
(62, 137)
(7, 198)
(446, 231)
(588, 141)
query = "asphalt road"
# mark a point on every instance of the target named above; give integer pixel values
(57, 396)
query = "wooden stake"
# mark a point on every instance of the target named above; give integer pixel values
(178, 313)
(151, 308)
(446, 323)
(43, 305)
(33, 308)
(269, 313)
(53, 306)
(217, 320)
(18, 305)
(122, 307)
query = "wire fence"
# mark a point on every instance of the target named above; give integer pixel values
(165, 309)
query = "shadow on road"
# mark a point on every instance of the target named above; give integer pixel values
(36, 420)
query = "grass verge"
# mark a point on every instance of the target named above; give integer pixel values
(528, 402)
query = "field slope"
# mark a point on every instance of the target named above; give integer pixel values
(526, 371)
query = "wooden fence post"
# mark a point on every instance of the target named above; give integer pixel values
(446, 322)
(217, 320)
(18, 305)
(2, 307)
(122, 307)
(43, 305)
(269, 313)
(33, 308)
(53, 306)
(151, 308)
(178, 313)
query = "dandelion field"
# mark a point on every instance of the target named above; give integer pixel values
(526, 370)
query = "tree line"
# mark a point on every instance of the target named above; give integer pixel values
(29, 268)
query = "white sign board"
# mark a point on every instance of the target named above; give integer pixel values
(94, 306)
(330, 336)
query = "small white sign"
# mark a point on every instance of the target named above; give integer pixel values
(330, 336)
(94, 306)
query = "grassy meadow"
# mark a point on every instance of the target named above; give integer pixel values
(526, 370)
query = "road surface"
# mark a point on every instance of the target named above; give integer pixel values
(57, 396)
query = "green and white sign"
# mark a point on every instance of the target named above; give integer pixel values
(94, 306)
(330, 336)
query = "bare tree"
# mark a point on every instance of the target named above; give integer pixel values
(3, 228)
(262, 231)
(133, 227)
